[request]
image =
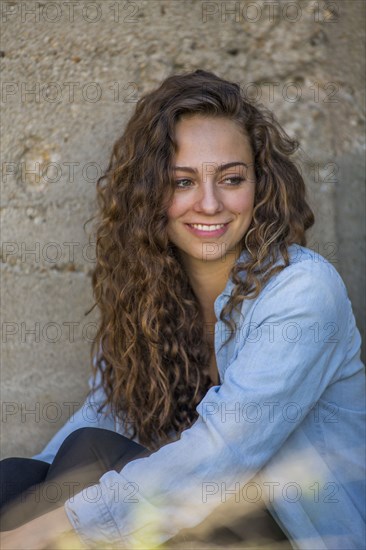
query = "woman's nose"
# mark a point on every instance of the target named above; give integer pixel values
(209, 200)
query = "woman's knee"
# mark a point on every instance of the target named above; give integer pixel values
(18, 474)
(9, 468)
(82, 434)
(14, 466)
(10, 461)
(85, 437)
(86, 445)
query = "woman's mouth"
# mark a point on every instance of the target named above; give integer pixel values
(207, 230)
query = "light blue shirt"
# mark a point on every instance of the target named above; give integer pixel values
(286, 424)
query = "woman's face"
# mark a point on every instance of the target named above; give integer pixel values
(215, 186)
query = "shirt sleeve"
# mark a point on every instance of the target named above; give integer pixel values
(280, 360)
(86, 416)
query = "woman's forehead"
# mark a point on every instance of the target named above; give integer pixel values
(212, 140)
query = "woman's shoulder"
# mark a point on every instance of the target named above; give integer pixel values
(309, 287)
(309, 280)
(299, 254)
(307, 267)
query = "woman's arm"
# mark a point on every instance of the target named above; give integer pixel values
(178, 486)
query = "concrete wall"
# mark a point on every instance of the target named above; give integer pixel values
(87, 67)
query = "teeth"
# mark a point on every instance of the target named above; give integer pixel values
(207, 227)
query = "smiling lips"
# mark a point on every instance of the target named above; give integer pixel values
(204, 227)
(204, 230)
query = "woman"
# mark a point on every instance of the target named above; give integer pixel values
(227, 350)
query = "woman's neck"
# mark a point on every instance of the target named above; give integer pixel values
(208, 279)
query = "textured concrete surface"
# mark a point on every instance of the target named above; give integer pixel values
(87, 63)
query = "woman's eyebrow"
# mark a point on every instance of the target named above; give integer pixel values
(219, 169)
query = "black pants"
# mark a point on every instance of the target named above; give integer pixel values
(30, 488)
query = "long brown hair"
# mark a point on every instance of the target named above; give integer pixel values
(155, 357)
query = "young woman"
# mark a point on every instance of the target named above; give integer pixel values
(228, 361)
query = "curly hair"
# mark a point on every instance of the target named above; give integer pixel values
(154, 365)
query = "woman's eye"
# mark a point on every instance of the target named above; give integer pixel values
(234, 181)
(180, 183)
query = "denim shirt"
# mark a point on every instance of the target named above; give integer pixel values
(289, 413)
